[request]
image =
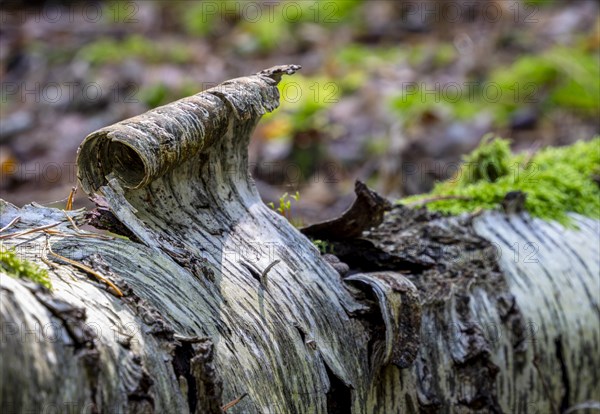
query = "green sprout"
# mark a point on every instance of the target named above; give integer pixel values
(323, 246)
(285, 205)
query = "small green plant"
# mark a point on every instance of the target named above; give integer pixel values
(285, 205)
(324, 246)
(556, 180)
(18, 268)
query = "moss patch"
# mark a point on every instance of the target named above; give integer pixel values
(22, 269)
(556, 180)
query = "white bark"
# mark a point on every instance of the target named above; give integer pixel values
(223, 297)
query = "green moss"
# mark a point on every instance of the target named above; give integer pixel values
(22, 269)
(556, 180)
(488, 162)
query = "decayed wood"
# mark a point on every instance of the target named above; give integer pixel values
(367, 211)
(224, 298)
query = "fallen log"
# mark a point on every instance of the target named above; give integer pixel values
(204, 300)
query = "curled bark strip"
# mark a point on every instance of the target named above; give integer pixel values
(401, 312)
(177, 177)
(141, 149)
(366, 212)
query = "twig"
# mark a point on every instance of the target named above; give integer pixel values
(28, 240)
(81, 233)
(232, 403)
(69, 205)
(189, 339)
(263, 275)
(89, 270)
(12, 223)
(55, 202)
(49, 263)
(77, 229)
(58, 233)
(22, 233)
(476, 213)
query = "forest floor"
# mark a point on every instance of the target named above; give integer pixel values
(390, 93)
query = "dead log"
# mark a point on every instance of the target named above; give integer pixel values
(215, 297)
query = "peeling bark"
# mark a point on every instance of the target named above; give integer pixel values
(224, 298)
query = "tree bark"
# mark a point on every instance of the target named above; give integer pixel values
(217, 297)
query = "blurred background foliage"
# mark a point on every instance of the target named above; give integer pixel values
(391, 92)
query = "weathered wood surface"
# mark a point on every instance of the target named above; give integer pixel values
(223, 297)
